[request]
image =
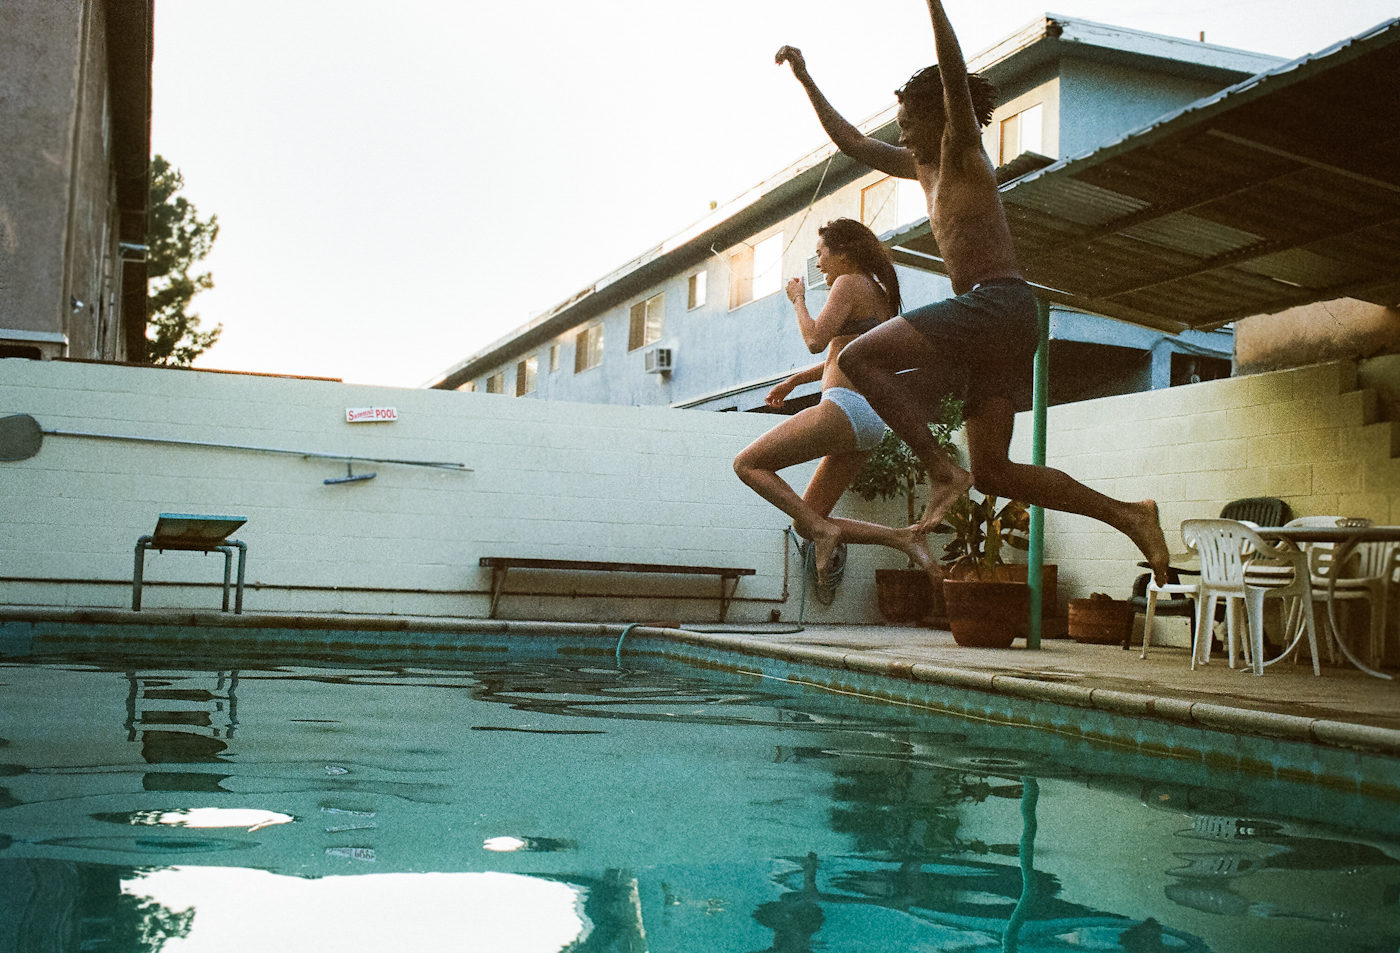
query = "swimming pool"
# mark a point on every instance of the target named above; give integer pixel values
(530, 794)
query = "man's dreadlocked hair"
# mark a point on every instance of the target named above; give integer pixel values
(922, 95)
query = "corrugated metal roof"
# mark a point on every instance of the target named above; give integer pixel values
(1279, 191)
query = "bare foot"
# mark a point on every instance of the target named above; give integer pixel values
(942, 496)
(910, 541)
(825, 537)
(916, 548)
(1144, 528)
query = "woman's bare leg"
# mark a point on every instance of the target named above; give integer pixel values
(812, 433)
(834, 475)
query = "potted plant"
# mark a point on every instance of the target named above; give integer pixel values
(986, 608)
(891, 470)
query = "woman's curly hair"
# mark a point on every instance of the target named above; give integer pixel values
(922, 95)
(848, 237)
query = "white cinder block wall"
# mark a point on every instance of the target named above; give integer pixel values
(584, 482)
(558, 480)
(1307, 436)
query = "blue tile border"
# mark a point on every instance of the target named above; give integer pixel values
(1335, 755)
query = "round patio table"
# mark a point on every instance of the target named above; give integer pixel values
(1346, 538)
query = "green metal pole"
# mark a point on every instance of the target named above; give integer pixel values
(1041, 388)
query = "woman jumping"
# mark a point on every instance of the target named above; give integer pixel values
(841, 429)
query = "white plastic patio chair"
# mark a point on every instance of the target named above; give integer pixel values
(1368, 574)
(1190, 590)
(1227, 548)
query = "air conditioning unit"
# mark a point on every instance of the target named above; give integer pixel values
(658, 360)
(815, 278)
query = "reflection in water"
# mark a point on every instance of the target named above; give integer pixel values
(63, 905)
(673, 810)
(796, 916)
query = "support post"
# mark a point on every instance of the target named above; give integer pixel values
(1040, 397)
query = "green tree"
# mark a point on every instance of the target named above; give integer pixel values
(176, 239)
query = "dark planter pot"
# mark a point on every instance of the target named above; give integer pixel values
(987, 615)
(1100, 621)
(1050, 582)
(906, 595)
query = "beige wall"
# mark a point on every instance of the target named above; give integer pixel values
(1344, 329)
(1307, 435)
(558, 480)
(586, 482)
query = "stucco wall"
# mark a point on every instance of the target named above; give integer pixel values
(1308, 436)
(1100, 102)
(58, 238)
(1342, 329)
(714, 347)
(563, 480)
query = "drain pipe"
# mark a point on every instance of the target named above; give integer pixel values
(801, 607)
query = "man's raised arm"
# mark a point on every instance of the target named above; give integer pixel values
(962, 125)
(893, 160)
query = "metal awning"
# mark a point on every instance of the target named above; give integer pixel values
(1279, 191)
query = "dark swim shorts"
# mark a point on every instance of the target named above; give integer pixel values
(986, 341)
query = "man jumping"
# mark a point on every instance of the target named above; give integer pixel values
(991, 327)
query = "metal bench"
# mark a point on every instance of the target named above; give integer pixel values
(189, 531)
(500, 565)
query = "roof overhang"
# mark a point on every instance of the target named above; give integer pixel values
(1054, 37)
(1279, 191)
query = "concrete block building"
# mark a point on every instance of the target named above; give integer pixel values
(699, 320)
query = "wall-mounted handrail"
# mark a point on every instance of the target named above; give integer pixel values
(234, 446)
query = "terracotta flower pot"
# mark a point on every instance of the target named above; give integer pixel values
(986, 614)
(1100, 621)
(1050, 580)
(905, 595)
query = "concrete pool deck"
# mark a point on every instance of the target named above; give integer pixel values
(1343, 708)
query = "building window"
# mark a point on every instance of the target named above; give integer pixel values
(553, 358)
(525, 373)
(755, 271)
(768, 266)
(741, 277)
(646, 322)
(878, 205)
(468, 387)
(695, 294)
(588, 348)
(1023, 132)
(496, 383)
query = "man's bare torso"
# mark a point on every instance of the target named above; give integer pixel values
(968, 220)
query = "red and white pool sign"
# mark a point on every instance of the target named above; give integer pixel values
(370, 415)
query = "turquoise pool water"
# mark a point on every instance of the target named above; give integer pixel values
(530, 796)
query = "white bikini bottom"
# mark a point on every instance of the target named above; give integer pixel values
(869, 428)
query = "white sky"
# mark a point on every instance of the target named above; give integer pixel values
(238, 910)
(401, 182)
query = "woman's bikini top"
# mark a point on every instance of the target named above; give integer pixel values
(858, 326)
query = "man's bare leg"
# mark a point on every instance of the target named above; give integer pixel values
(873, 362)
(989, 440)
